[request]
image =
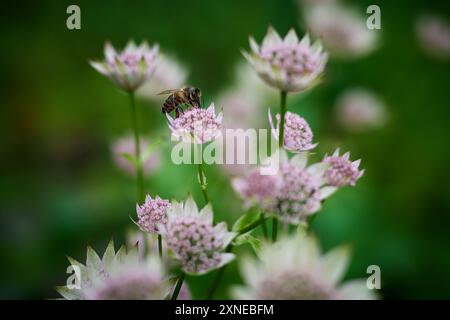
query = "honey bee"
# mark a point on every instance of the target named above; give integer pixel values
(177, 97)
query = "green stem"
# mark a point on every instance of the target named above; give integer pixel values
(216, 283)
(178, 287)
(160, 248)
(137, 143)
(274, 229)
(202, 182)
(264, 226)
(283, 109)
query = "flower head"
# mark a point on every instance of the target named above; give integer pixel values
(294, 269)
(302, 189)
(360, 110)
(298, 135)
(130, 68)
(197, 125)
(341, 171)
(124, 147)
(258, 189)
(196, 243)
(433, 33)
(118, 275)
(152, 213)
(342, 30)
(287, 64)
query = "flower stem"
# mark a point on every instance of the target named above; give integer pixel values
(178, 287)
(274, 229)
(202, 181)
(216, 283)
(264, 226)
(160, 248)
(283, 109)
(137, 143)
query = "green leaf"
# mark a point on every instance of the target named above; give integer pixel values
(246, 221)
(245, 238)
(129, 157)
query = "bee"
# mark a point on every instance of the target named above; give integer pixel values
(177, 97)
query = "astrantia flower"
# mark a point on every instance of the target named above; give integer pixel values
(130, 68)
(124, 147)
(170, 73)
(257, 189)
(294, 269)
(195, 242)
(360, 110)
(287, 64)
(118, 275)
(433, 33)
(196, 125)
(152, 213)
(298, 135)
(342, 30)
(302, 189)
(341, 171)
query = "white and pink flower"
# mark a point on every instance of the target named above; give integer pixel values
(341, 171)
(196, 125)
(287, 64)
(294, 269)
(195, 242)
(297, 136)
(342, 30)
(130, 68)
(123, 150)
(118, 275)
(152, 213)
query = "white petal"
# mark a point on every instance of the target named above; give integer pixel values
(253, 45)
(356, 290)
(226, 258)
(318, 169)
(228, 237)
(212, 107)
(92, 259)
(305, 40)
(207, 213)
(108, 256)
(120, 255)
(336, 153)
(272, 38)
(300, 160)
(335, 263)
(242, 293)
(326, 192)
(100, 67)
(69, 294)
(250, 271)
(110, 52)
(190, 207)
(291, 38)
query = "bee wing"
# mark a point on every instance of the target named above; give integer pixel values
(168, 91)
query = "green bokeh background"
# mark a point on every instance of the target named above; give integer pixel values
(60, 190)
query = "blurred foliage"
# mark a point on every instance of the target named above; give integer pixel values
(60, 190)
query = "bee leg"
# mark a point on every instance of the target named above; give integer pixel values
(178, 111)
